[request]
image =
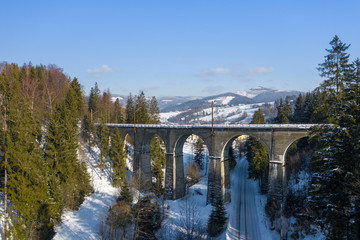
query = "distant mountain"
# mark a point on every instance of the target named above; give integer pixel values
(163, 102)
(231, 107)
(251, 96)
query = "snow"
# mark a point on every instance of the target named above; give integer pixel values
(195, 199)
(218, 126)
(113, 99)
(222, 100)
(165, 116)
(247, 216)
(253, 92)
(84, 223)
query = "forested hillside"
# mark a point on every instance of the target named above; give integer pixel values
(329, 157)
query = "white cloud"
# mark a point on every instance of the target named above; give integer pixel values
(218, 70)
(260, 70)
(100, 70)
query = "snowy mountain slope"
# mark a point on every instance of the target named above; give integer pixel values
(241, 113)
(229, 108)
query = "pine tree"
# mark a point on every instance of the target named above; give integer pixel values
(103, 135)
(118, 158)
(299, 109)
(141, 109)
(217, 218)
(154, 112)
(88, 130)
(117, 114)
(106, 106)
(94, 103)
(255, 151)
(199, 153)
(335, 163)
(258, 117)
(129, 110)
(335, 67)
(79, 97)
(157, 154)
(125, 193)
(68, 180)
(283, 112)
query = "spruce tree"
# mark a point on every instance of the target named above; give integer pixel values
(255, 151)
(299, 109)
(335, 67)
(199, 153)
(79, 97)
(217, 218)
(129, 110)
(118, 158)
(117, 114)
(283, 111)
(141, 109)
(103, 135)
(94, 103)
(157, 154)
(335, 163)
(258, 117)
(154, 112)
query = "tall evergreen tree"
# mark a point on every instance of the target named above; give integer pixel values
(157, 154)
(94, 103)
(199, 153)
(103, 135)
(141, 109)
(117, 114)
(217, 218)
(335, 67)
(283, 111)
(299, 109)
(118, 158)
(335, 163)
(255, 151)
(154, 112)
(79, 97)
(129, 110)
(258, 117)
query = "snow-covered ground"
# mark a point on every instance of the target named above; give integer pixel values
(247, 218)
(84, 223)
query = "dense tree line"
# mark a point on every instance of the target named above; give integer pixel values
(334, 195)
(333, 201)
(41, 172)
(335, 192)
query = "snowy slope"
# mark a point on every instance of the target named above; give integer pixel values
(241, 113)
(84, 223)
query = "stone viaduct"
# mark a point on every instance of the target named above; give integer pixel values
(276, 139)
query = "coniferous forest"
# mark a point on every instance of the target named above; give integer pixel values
(45, 116)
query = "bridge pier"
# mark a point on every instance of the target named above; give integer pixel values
(216, 179)
(174, 176)
(142, 167)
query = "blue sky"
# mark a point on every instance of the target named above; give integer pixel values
(181, 48)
